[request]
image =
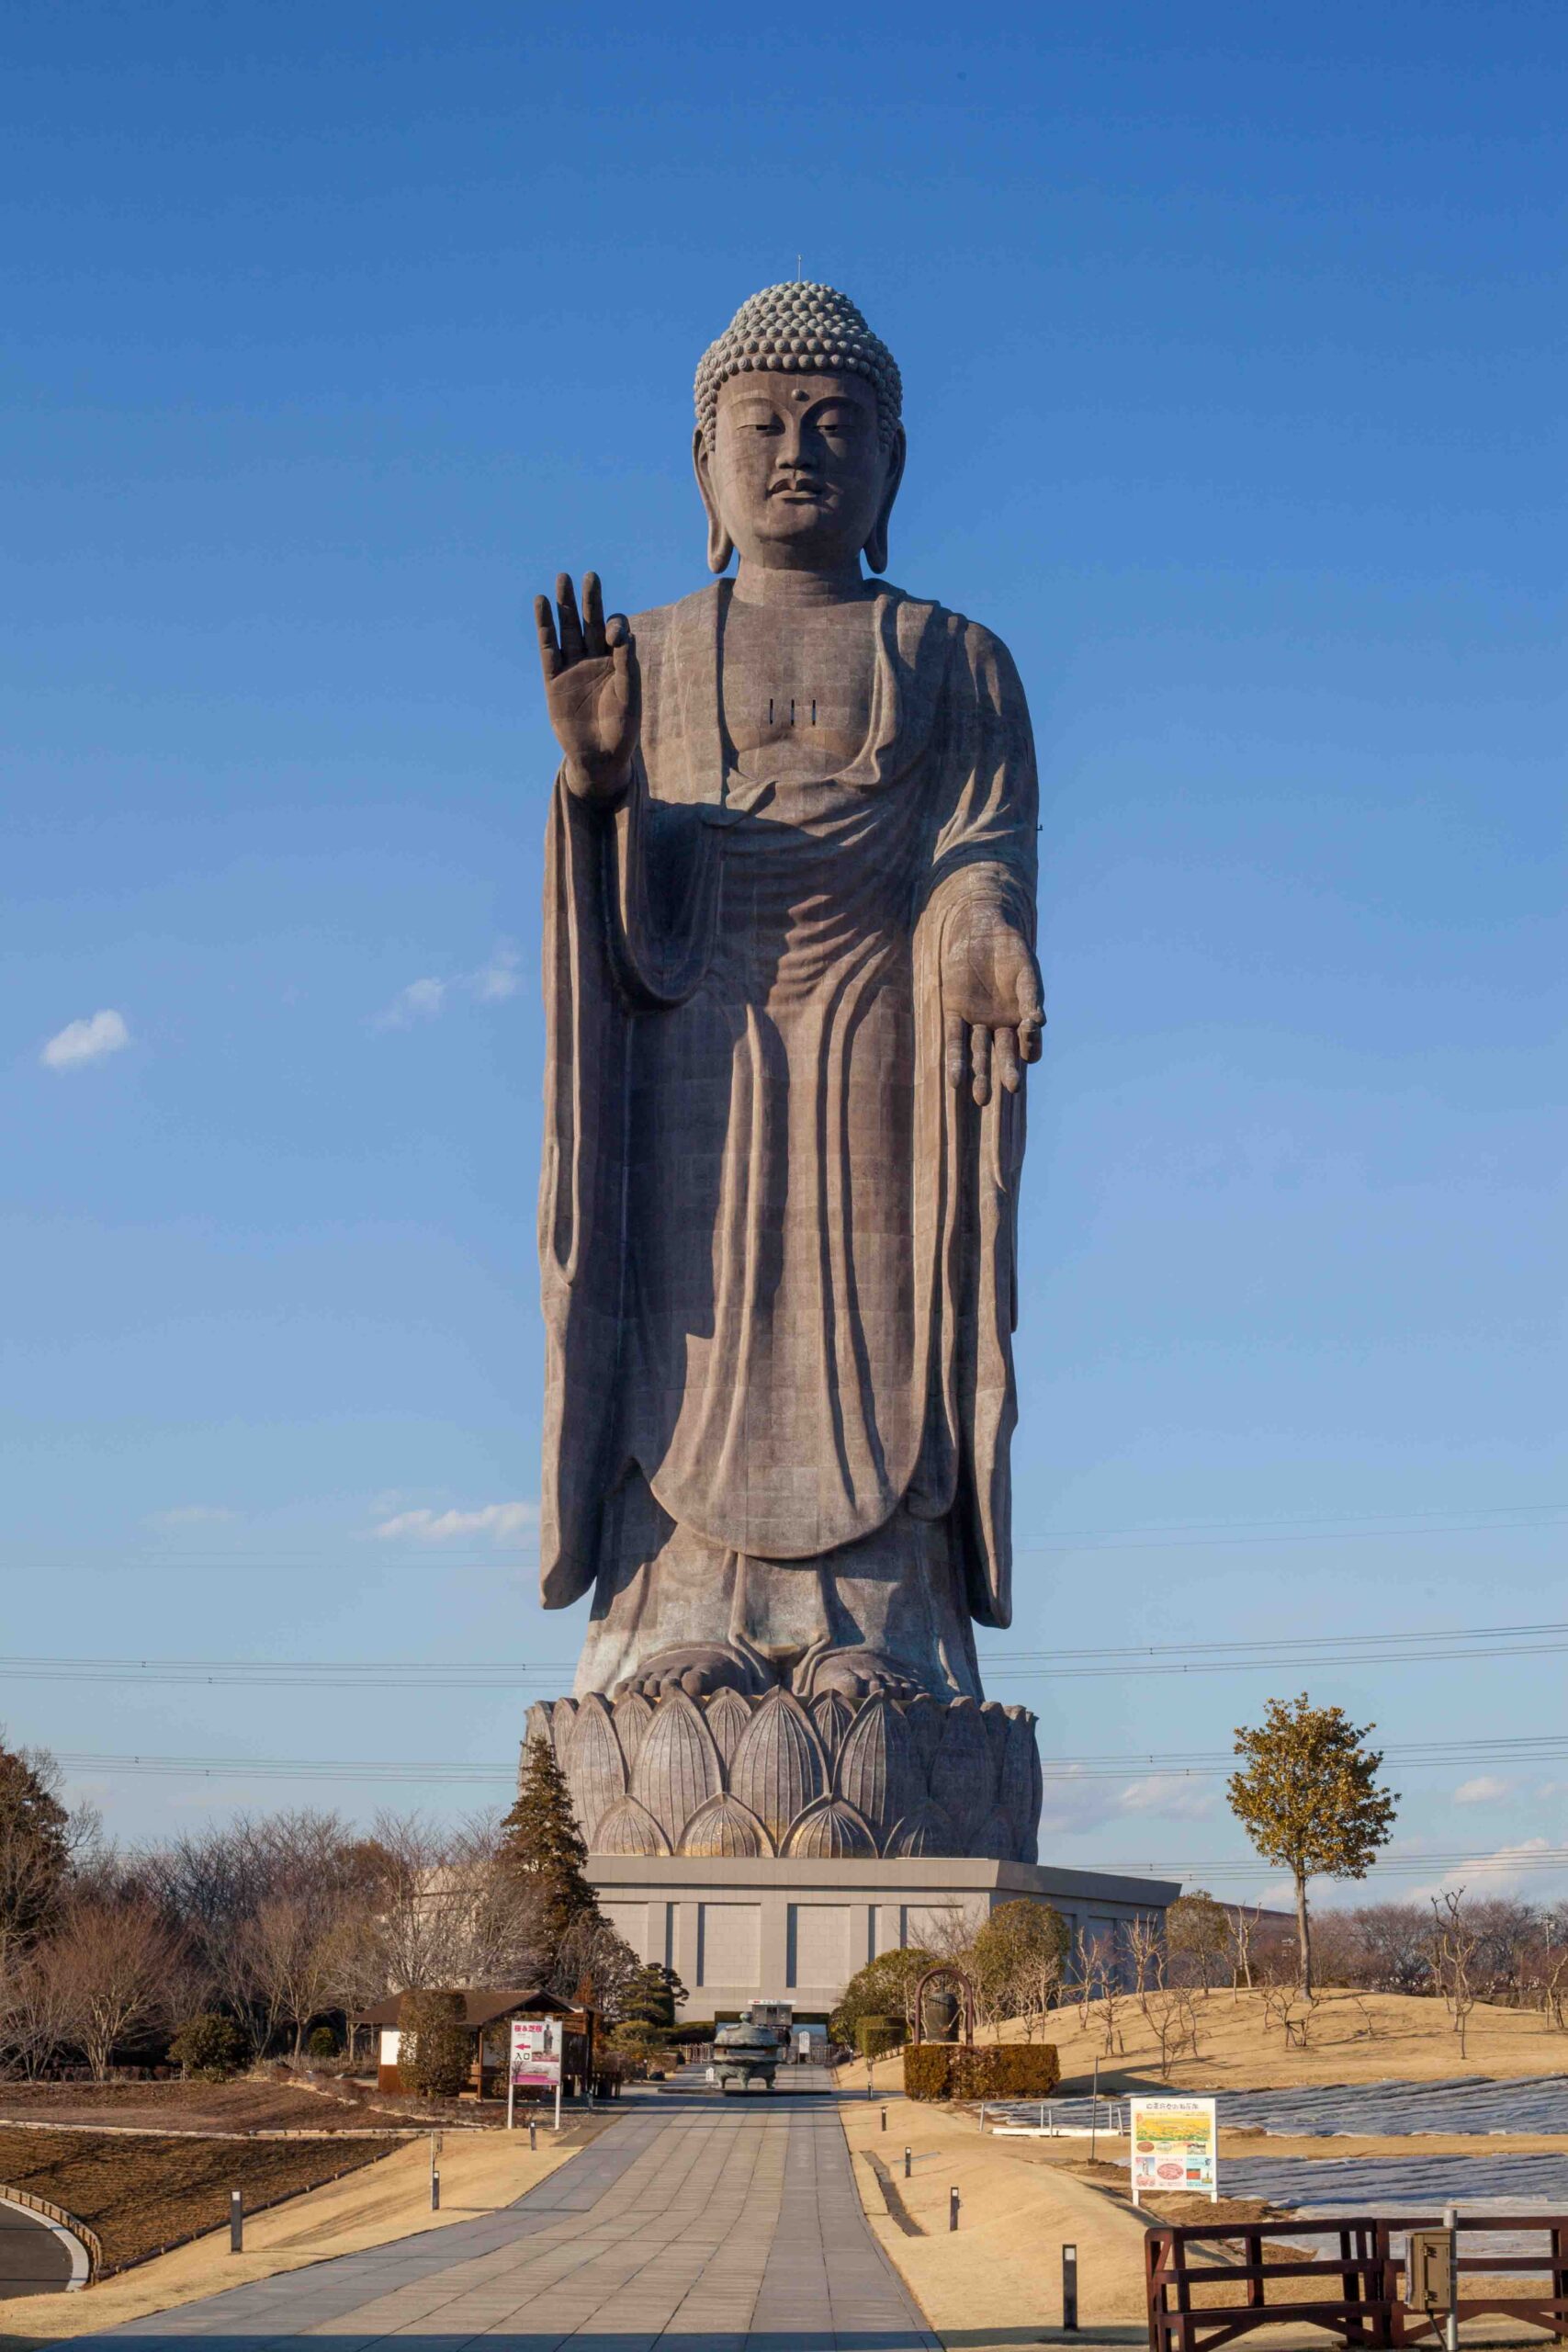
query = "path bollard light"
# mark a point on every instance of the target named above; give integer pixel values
(906, 2161)
(236, 2220)
(885, 2119)
(533, 2133)
(1069, 2288)
(434, 2172)
(952, 2208)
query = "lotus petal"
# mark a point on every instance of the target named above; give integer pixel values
(1019, 1801)
(594, 1764)
(778, 1767)
(563, 1714)
(831, 1831)
(994, 1715)
(633, 1715)
(924, 1718)
(724, 1827)
(927, 1830)
(993, 1840)
(833, 1716)
(629, 1829)
(727, 1716)
(964, 1779)
(878, 1770)
(677, 1768)
(536, 1724)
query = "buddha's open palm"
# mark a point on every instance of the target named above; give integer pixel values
(593, 687)
(991, 998)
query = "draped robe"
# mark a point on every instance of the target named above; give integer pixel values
(777, 1247)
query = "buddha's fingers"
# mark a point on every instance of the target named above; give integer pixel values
(570, 627)
(550, 657)
(1032, 1012)
(954, 1054)
(619, 643)
(592, 615)
(980, 1055)
(1008, 1070)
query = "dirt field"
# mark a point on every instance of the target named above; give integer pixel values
(1353, 2038)
(252, 2104)
(141, 2194)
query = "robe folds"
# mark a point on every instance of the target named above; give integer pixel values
(778, 1249)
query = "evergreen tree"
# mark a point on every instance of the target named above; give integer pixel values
(35, 1844)
(651, 1997)
(542, 1845)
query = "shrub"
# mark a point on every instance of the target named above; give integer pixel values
(322, 2043)
(208, 2048)
(884, 1987)
(940, 2070)
(435, 2047)
(875, 2036)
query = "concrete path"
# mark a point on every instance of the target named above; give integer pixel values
(694, 2223)
(36, 2257)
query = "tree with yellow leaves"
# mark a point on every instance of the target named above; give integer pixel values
(1308, 1797)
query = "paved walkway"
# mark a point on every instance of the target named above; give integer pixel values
(692, 2224)
(36, 2257)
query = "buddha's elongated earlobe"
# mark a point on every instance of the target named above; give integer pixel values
(721, 547)
(876, 540)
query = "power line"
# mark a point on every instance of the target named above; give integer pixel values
(1158, 1535)
(1528, 1641)
(1535, 1748)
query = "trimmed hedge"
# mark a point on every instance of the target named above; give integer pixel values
(875, 2036)
(941, 2070)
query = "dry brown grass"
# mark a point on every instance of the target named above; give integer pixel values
(1351, 2038)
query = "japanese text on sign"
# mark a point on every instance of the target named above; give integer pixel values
(1175, 2146)
(535, 2052)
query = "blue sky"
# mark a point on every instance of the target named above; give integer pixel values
(1232, 346)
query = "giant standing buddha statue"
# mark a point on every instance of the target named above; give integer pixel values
(792, 995)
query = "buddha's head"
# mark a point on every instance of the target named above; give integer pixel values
(799, 448)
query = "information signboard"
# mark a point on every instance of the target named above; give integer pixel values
(535, 2052)
(1175, 2146)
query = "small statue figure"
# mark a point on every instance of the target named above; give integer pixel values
(791, 993)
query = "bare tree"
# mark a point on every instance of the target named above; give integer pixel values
(449, 1913)
(33, 2014)
(304, 1956)
(1395, 1939)
(1242, 1925)
(1454, 1942)
(114, 1970)
(1145, 1949)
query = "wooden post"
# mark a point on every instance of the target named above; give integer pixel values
(1069, 2288)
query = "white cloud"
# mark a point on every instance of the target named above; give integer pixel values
(86, 1041)
(504, 1522)
(492, 982)
(500, 978)
(1484, 1789)
(421, 1000)
(191, 1515)
(1176, 1799)
(1077, 1800)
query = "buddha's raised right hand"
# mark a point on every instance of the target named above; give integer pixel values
(592, 687)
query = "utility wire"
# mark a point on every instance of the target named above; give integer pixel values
(1528, 1641)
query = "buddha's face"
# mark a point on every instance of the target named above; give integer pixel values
(797, 472)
